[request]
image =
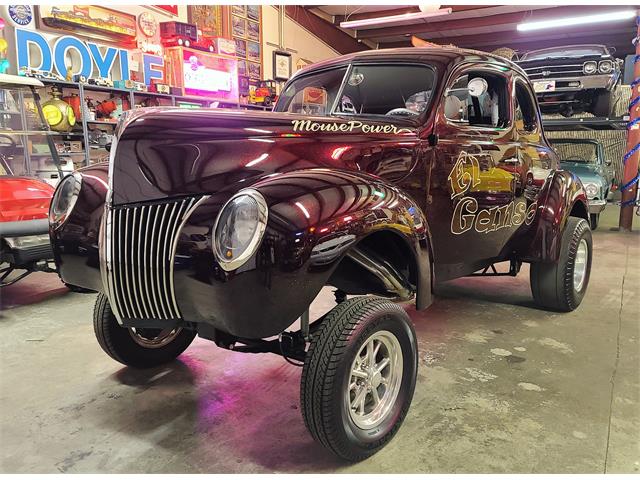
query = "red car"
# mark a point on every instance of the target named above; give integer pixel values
(24, 226)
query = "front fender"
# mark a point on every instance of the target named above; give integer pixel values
(75, 242)
(561, 196)
(315, 216)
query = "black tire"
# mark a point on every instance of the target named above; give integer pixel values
(119, 343)
(552, 284)
(326, 376)
(594, 219)
(603, 104)
(267, 101)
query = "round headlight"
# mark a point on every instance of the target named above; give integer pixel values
(590, 68)
(239, 228)
(64, 198)
(605, 66)
(591, 189)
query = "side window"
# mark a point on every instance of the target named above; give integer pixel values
(526, 116)
(478, 99)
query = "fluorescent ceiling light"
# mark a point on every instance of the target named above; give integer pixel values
(569, 21)
(405, 17)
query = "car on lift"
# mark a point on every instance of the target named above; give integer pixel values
(419, 165)
(574, 78)
(587, 160)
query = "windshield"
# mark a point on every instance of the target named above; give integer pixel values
(576, 152)
(560, 52)
(378, 90)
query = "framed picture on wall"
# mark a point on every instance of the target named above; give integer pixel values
(240, 10)
(241, 48)
(253, 31)
(254, 70)
(253, 12)
(242, 67)
(238, 26)
(253, 51)
(208, 18)
(281, 65)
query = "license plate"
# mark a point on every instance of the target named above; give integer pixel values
(546, 86)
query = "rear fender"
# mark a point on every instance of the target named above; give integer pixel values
(562, 196)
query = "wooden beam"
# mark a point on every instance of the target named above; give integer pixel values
(619, 38)
(336, 38)
(486, 21)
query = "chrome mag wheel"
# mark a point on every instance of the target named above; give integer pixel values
(153, 337)
(375, 379)
(580, 265)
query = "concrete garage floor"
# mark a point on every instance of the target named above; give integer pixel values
(502, 387)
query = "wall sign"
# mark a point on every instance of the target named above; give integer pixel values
(34, 50)
(89, 17)
(281, 65)
(21, 15)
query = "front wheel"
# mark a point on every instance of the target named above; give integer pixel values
(561, 285)
(594, 219)
(137, 347)
(359, 376)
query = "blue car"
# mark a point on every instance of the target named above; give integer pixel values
(587, 160)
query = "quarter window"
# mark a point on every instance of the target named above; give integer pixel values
(526, 114)
(478, 99)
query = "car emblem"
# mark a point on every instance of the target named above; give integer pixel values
(546, 72)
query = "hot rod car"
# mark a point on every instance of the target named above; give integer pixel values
(422, 165)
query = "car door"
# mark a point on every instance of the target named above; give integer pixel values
(476, 171)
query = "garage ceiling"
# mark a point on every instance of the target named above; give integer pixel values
(471, 26)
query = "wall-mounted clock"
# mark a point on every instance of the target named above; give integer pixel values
(148, 24)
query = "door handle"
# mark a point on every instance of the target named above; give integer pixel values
(511, 160)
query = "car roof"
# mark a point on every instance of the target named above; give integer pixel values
(444, 54)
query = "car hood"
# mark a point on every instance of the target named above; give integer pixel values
(24, 198)
(171, 152)
(560, 61)
(586, 172)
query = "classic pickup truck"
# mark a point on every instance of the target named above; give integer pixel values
(417, 166)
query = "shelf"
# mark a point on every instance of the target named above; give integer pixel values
(585, 123)
(27, 132)
(101, 122)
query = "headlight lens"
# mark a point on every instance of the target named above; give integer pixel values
(592, 190)
(605, 66)
(239, 228)
(590, 68)
(64, 199)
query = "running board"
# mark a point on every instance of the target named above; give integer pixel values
(514, 268)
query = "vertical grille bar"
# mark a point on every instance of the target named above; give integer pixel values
(141, 247)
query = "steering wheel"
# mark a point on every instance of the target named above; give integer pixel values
(405, 112)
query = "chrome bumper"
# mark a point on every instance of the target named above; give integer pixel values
(597, 206)
(583, 83)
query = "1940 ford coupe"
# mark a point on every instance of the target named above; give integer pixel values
(378, 173)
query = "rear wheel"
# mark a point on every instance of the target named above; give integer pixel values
(137, 347)
(561, 285)
(603, 104)
(359, 376)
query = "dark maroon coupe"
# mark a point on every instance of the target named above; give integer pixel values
(379, 173)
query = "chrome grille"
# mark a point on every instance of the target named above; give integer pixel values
(550, 71)
(140, 248)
